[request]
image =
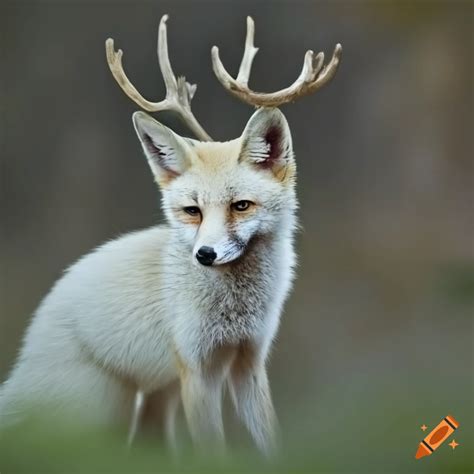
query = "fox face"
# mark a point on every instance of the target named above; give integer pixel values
(219, 197)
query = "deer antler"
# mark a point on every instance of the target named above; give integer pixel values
(313, 75)
(179, 93)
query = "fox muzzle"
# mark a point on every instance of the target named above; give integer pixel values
(206, 255)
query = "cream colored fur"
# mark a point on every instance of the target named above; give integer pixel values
(140, 312)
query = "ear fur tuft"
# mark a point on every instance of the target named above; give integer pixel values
(167, 153)
(266, 140)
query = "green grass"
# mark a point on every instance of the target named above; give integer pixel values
(343, 441)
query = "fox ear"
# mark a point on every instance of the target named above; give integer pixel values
(266, 141)
(167, 153)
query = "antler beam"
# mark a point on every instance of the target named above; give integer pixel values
(313, 75)
(179, 93)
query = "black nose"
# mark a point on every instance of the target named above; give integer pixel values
(206, 255)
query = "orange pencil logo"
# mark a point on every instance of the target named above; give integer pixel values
(445, 428)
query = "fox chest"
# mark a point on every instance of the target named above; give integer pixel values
(233, 311)
(213, 310)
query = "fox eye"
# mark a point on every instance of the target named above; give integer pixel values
(241, 205)
(192, 210)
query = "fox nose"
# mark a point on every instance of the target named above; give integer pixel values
(206, 255)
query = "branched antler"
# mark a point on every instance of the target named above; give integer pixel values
(179, 93)
(313, 75)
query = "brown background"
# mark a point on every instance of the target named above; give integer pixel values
(377, 336)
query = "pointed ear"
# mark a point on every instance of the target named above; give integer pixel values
(167, 153)
(266, 142)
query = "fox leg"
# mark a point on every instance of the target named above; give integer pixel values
(137, 412)
(202, 401)
(171, 408)
(250, 393)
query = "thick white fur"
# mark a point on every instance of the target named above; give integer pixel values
(139, 312)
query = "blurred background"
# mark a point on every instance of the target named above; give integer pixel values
(376, 338)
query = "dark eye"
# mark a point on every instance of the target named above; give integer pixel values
(192, 210)
(241, 205)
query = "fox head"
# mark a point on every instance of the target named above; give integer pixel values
(220, 197)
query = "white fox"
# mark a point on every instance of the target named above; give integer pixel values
(187, 306)
(196, 300)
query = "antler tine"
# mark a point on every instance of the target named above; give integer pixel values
(114, 59)
(249, 54)
(163, 57)
(328, 71)
(313, 76)
(178, 92)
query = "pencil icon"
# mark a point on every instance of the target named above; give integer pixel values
(437, 437)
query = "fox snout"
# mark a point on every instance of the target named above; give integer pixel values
(206, 255)
(218, 240)
(224, 251)
(216, 247)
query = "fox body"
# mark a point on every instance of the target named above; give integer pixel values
(183, 307)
